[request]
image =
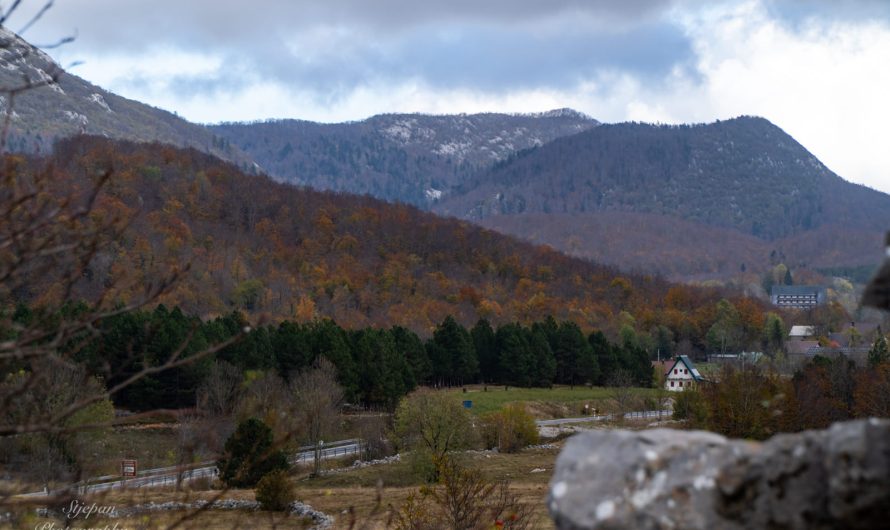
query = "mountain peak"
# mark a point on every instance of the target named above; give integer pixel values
(564, 112)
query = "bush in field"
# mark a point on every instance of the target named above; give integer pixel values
(250, 455)
(275, 491)
(690, 405)
(509, 429)
(433, 423)
(464, 500)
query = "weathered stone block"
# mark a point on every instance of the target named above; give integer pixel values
(662, 478)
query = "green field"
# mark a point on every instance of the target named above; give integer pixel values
(559, 401)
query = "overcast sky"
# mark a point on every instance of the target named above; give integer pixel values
(820, 69)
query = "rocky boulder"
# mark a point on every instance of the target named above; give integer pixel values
(663, 478)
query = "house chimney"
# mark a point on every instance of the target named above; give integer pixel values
(877, 292)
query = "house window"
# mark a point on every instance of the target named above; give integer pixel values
(676, 371)
(685, 370)
(672, 383)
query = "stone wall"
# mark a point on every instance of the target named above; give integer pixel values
(663, 478)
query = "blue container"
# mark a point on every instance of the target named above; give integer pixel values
(468, 404)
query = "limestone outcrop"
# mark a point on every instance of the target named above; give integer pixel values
(670, 479)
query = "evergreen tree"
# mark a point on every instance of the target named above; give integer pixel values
(384, 375)
(249, 455)
(456, 345)
(605, 355)
(486, 350)
(516, 360)
(544, 370)
(788, 280)
(879, 352)
(574, 355)
(291, 345)
(409, 344)
(664, 342)
(440, 362)
(774, 333)
(329, 340)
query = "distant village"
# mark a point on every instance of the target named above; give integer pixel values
(802, 342)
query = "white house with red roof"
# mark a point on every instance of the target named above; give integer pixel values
(681, 375)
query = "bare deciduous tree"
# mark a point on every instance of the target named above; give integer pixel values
(318, 398)
(622, 392)
(51, 234)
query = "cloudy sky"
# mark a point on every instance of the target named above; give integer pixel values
(820, 69)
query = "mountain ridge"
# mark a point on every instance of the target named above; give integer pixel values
(414, 158)
(50, 111)
(732, 180)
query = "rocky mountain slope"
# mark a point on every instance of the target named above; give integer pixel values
(53, 110)
(412, 158)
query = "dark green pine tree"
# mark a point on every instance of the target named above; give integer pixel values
(292, 348)
(249, 455)
(516, 360)
(486, 351)
(384, 375)
(575, 361)
(606, 356)
(635, 361)
(545, 364)
(330, 341)
(409, 344)
(455, 342)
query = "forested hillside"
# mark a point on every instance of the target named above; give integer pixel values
(267, 248)
(411, 158)
(741, 186)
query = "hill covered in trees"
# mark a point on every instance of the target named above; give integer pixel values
(739, 186)
(292, 253)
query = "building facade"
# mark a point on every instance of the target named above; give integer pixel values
(798, 296)
(681, 375)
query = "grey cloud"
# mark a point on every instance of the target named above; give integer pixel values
(492, 45)
(491, 59)
(140, 24)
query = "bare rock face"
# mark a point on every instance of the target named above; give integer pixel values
(665, 479)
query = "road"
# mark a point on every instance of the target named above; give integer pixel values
(168, 476)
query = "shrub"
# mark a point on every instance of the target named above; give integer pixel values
(249, 455)
(465, 500)
(433, 423)
(275, 491)
(510, 429)
(690, 405)
(423, 465)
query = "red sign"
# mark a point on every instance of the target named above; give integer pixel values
(128, 468)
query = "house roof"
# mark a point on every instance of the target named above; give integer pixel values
(688, 364)
(801, 347)
(664, 366)
(797, 289)
(802, 331)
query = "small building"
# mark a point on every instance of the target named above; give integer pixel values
(801, 347)
(682, 375)
(798, 296)
(798, 333)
